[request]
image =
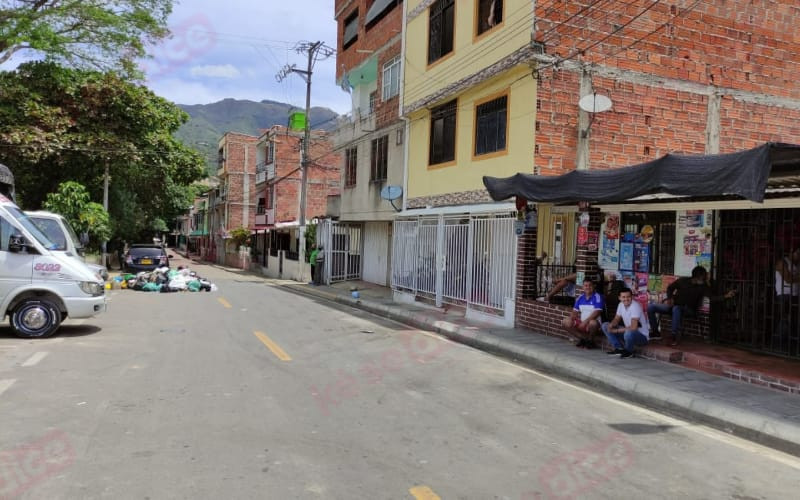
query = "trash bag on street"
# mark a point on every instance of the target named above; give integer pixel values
(151, 287)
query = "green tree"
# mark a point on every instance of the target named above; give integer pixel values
(59, 124)
(240, 236)
(98, 34)
(72, 201)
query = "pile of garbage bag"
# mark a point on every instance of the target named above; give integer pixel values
(164, 279)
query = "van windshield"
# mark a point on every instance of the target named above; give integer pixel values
(28, 224)
(52, 230)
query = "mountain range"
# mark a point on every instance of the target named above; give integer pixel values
(208, 122)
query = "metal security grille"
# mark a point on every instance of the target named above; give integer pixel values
(751, 243)
(426, 256)
(456, 260)
(342, 247)
(404, 255)
(464, 260)
(494, 257)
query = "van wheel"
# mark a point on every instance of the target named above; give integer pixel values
(35, 318)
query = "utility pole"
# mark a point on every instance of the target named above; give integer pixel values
(313, 50)
(105, 207)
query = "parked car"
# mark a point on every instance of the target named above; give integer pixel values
(145, 257)
(59, 231)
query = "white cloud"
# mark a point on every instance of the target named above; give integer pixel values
(235, 48)
(216, 71)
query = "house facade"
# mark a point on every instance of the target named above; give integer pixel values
(357, 238)
(232, 204)
(703, 79)
(469, 101)
(278, 178)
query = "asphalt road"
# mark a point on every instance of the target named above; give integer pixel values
(254, 392)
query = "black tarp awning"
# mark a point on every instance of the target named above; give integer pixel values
(743, 174)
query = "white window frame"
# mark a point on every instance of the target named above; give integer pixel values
(391, 86)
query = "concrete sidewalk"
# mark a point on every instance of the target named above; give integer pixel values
(763, 415)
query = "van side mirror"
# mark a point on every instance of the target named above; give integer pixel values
(17, 243)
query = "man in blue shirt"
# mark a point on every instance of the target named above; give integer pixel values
(584, 321)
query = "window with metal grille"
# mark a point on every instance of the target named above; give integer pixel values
(490, 126)
(662, 246)
(270, 153)
(391, 78)
(443, 133)
(350, 30)
(441, 28)
(380, 159)
(490, 14)
(350, 166)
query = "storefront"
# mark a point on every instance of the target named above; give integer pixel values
(736, 215)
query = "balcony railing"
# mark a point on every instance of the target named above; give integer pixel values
(267, 218)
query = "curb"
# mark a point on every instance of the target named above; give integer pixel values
(774, 432)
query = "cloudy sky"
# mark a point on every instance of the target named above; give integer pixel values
(234, 48)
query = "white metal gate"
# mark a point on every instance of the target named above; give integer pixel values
(376, 252)
(342, 246)
(468, 260)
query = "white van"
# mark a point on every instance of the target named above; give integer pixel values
(59, 231)
(40, 287)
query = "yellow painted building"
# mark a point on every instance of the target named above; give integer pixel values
(469, 95)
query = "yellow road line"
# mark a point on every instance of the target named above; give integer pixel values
(224, 303)
(423, 493)
(272, 346)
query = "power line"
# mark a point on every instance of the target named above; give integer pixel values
(657, 29)
(592, 45)
(543, 36)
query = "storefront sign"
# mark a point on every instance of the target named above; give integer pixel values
(693, 245)
(608, 253)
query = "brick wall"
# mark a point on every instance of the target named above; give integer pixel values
(660, 87)
(240, 161)
(540, 317)
(387, 112)
(323, 174)
(738, 44)
(369, 40)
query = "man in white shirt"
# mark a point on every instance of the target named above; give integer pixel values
(635, 330)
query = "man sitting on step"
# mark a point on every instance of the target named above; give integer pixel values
(584, 321)
(634, 330)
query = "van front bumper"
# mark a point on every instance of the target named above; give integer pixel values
(85, 307)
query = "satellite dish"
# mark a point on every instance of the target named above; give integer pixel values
(594, 103)
(392, 193)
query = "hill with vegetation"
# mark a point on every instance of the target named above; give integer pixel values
(209, 122)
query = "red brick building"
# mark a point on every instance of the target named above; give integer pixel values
(234, 201)
(702, 77)
(277, 181)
